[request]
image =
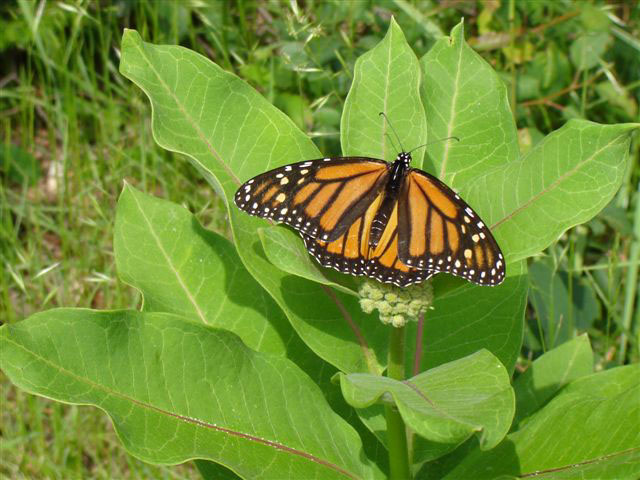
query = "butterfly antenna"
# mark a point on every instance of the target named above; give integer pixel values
(392, 129)
(392, 142)
(435, 141)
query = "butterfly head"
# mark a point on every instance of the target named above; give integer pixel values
(404, 157)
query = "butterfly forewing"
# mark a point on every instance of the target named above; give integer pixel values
(320, 198)
(439, 231)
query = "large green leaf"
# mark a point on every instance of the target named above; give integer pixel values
(564, 180)
(182, 268)
(177, 390)
(549, 373)
(231, 133)
(446, 405)
(591, 430)
(464, 97)
(385, 79)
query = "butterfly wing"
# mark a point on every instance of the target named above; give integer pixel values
(319, 198)
(438, 231)
(351, 253)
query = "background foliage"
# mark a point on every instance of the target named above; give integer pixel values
(74, 128)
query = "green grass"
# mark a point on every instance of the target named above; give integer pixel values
(73, 129)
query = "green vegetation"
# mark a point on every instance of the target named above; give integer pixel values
(75, 128)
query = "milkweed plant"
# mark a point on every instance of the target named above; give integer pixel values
(252, 360)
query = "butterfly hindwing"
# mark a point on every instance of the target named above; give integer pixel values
(352, 254)
(319, 198)
(439, 231)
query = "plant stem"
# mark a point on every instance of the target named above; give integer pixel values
(418, 355)
(396, 430)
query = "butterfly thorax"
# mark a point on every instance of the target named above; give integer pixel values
(397, 174)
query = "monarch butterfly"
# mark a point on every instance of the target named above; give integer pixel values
(388, 221)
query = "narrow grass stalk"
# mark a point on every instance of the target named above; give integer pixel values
(631, 283)
(512, 65)
(396, 430)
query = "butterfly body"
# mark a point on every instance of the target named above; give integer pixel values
(397, 172)
(387, 221)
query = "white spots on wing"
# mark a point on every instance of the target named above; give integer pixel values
(463, 228)
(287, 168)
(469, 211)
(457, 264)
(468, 253)
(255, 205)
(482, 235)
(327, 159)
(280, 175)
(475, 237)
(283, 211)
(483, 274)
(247, 198)
(300, 181)
(251, 181)
(284, 181)
(467, 219)
(480, 225)
(281, 197)
(304, 171)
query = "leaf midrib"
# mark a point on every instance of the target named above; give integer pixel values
(214, 153)
(452, 114)
(553, 185)
(167, 258)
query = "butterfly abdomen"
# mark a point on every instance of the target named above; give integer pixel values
(392, 189)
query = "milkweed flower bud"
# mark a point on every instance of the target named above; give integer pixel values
(395, 305)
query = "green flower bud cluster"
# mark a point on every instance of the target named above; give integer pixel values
(395, 305)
